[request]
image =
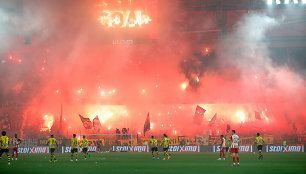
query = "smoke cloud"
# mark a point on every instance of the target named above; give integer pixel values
(52, 55)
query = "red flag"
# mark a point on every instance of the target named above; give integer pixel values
(86, 122)
(213, 120)
(97, 124)
(199, 114)
(146, 126)
(257, 115)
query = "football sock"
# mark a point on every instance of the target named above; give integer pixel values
(233, 159)
(76, 156)
(238, 159)
(153, 154)
(8, 158)
(220, 155)
(223, 155)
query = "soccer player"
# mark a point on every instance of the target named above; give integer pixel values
(259, 141)
(4, 141)
(235, 147)
(52, 142)
(99, 142)
(222, 147)
(228, 144)
(74, 148)
(153, 142)
(84, 144)
(166, 142)
(16, 143)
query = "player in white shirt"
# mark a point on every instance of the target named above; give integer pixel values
(235, 147)
(222, 147)
(16, 143)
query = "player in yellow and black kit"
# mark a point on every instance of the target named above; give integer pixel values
(74, 148)
(4, 141)
(52, 143)
(166, 142)
(153, 142)
(84, 144)
(259, 141)
(227, 144)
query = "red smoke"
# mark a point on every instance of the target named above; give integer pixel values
(122, 83)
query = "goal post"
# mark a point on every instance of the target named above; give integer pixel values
(105, 142)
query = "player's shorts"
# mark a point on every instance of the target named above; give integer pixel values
(222, 149)
(4, 150)
(154, 149)
(52, 150)
(74, 150)
(15, 149)
(234, 150)
(259, 147)
(226, 149)
(85, 149)
(165, 149)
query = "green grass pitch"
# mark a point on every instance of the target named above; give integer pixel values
(126, 163)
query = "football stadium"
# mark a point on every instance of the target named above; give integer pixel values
(152, 86)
